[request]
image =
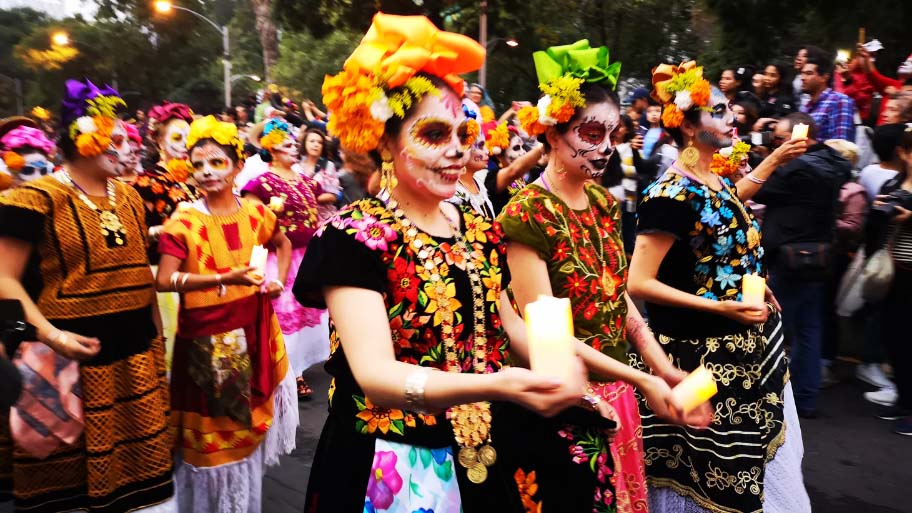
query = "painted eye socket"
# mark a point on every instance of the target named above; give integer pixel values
(431, 132)
(592, 133)
(216, 163)
(117, 139)
(517, 147)
(465, 139)
(177, 137)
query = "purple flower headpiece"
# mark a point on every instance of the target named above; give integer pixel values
(80, 96)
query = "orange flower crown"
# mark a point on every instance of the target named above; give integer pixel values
(679, 89)
(497, 137)
(381, 77)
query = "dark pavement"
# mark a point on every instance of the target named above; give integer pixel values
(853, 462)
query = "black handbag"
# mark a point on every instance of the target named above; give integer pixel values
(805, 260)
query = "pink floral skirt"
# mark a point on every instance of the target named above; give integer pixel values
(306, 330)
(627, 448)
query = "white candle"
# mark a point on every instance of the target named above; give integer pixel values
(694, 390)
(753, 289)
(276, 203)
(549, 325)
(258, 261)
(799, 131)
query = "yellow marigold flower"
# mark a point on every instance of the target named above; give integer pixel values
(528, 119)
(180, 169)
(272, 139)
(13, 161)
(566, 88)
(561, 111)
(223, 133)
(497, 139)
(92, 144)
(672, 117)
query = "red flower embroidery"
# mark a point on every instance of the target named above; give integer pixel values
(405, 281)
(575, 286)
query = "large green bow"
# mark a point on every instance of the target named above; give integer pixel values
(578, 60)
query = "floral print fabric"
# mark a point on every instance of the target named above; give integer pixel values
(411, 479)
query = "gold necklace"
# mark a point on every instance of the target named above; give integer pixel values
(111, 227)
(753, 236)
(471, 422)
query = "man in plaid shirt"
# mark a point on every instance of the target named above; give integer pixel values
(834, 113)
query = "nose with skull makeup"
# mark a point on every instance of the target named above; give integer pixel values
(515, 150)
(174, 142)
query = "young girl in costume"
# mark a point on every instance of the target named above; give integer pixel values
(26, 151)
(294, 199)
(233, 404)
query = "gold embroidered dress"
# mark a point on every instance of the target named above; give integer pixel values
(86, 282)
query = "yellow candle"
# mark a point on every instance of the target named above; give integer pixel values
(258, 260)
(753, 289)
(694, 390)
(549, 325)
(799, 131)
(276, 203)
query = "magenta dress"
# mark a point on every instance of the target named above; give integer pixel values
(306, 330)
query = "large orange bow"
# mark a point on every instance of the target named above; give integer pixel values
(398, 47)
(664, 73)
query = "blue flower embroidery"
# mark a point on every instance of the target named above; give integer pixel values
(726, 276)
(710, 217)
(726, 213)
(740, 237)
(723, 245)
(710, 295)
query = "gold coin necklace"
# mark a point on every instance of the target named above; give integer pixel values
(111, 227)
(471, 422)
(753, 236)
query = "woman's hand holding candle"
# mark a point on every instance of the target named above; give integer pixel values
(693, 391)
(800, 131)
(258, 261)
(753, 289)
(276, 204)
(549, 328)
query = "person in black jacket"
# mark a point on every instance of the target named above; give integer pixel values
(798, 231)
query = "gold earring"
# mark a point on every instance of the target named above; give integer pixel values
(388, 179)
(690, 156)
(561, 170)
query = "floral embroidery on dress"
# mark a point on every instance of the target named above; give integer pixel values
(371, 418)
(528, 488)
(591, 448)
(413, 479)
(720, 238)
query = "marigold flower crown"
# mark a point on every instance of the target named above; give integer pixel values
(90, 113)
(225, 134)
(381, 78)
(562, 70)
(274, 133)
(679, 89)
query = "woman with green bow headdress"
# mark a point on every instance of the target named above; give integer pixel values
(564, 239)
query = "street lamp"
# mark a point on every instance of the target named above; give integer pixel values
(255, 78)
(165, 7)
(17, 92)
(62, 38)
(488, 45)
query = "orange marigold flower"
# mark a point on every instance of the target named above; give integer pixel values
(272, 139)
(722, 166)
(472, 131)
(13, 161)
(92, 144)
(561, 111)
(672, 117)
(104, 124)
(346, 97)
(180, 169)
(528, 118)
(699, 93)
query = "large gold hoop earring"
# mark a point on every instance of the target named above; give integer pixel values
(388, 176)
(690, 156)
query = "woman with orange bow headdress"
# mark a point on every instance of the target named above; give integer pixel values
(413, 285)
(697, 242)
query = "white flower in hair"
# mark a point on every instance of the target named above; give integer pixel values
(496, 150)
(380, 109)
(683, 100)
(86, 125)
(543, 103)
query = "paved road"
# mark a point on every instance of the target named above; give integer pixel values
(853, 463)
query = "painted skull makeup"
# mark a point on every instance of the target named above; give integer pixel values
(287, 152)
(434, 146)
(515, 150)
(115, 158)
(174, 139)
(715, 131)
(587, 145)
(212, 167)
(36, 166)
(478, 156)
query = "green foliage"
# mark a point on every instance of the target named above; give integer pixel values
(304, 60)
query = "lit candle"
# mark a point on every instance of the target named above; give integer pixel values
(799, 131)
(276, 203)
(753, 289)
(549, 325)
(258, 261)
(694, 390)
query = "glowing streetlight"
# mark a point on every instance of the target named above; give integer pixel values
(60, 38)
(162, 6)
(512, 42)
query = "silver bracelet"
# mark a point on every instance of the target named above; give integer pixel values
(174, 276)
(279, 283)
(414, 390)
(758, 181)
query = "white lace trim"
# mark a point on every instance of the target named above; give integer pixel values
(237, 487)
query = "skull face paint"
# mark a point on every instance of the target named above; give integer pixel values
(515, 150)
(212, 167)
(716, 128)
(587, 145)
(116, 157)
(478, 156)
(173, 141)
(36, 166)
(286, 153)
(433, 146)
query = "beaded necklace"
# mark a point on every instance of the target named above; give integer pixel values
(111, 227)
(471, 422)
